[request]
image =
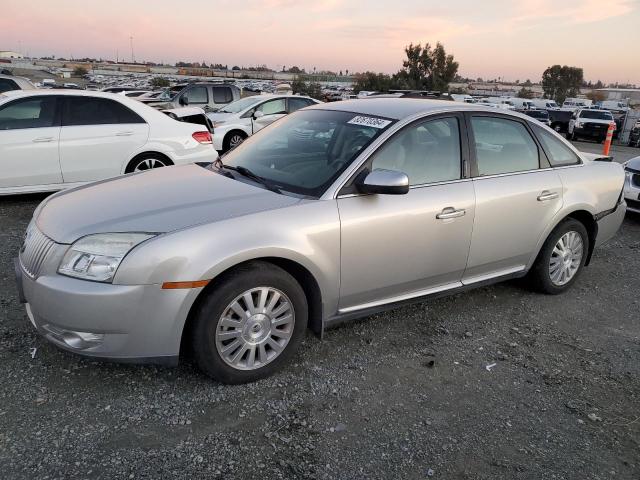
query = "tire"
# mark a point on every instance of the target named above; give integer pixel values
(147, 161)
(233, 139)
(570, 136)
(224, 318)
(542, 275)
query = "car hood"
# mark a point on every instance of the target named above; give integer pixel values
(161, 200)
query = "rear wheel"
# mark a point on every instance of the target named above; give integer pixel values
(147, 161)
(561, 258)
(250, 324)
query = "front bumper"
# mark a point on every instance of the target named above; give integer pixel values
(632, 192)
(125, 323)
(592, 131)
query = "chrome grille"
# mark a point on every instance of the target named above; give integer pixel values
(34, 250)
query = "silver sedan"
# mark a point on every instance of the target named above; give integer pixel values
(334, 212)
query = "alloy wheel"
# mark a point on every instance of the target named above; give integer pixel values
(255, 328)
(148, 164)
(235, 140)
(566, 258)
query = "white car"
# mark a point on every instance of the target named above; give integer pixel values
(242, 118)
(56, 139)
(632, 184)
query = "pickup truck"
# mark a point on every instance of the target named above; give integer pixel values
(589, 123)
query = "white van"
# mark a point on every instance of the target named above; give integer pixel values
(522, 103)
(576, 103)
(545, 104)
(504, 103)
(457, 97)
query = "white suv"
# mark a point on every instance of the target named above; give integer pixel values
(56, 139)
(241, 119)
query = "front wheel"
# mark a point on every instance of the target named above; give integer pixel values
(561, 258)
(233, 139)
(250, 324)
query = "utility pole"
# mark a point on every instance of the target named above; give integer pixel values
(133, 58)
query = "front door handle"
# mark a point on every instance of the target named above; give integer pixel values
(547, 195)
(42, 139)
(125, 133)
(450, 212)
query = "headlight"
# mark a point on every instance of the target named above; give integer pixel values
(97, 257)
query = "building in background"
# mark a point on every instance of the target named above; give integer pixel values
(10, 54)
(630, 96)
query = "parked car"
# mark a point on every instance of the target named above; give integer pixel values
(541, 115)
(206, 95)
(560, 119)
(302, 226)
(576, 103)
(134, 93)
(632, 184)
(634, 136)
(9, 83)
(118, 89)
(235, 122)
(56, 139)
(590, 123)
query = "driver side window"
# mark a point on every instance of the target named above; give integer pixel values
(427, 152)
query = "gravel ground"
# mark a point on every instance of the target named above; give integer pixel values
(408, 394)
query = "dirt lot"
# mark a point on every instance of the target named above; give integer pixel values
(407, 394)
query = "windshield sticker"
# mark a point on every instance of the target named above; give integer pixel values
(369, 121)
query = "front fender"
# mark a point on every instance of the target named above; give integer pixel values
(307, 233)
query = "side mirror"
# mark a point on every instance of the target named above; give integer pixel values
(383, 182)
(258, 114)
(184, 100)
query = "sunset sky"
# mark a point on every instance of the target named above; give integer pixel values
(513, 39)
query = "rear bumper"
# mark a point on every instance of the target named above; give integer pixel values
(592, 132)
(124, 323)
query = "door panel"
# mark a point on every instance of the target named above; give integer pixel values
(510, 219)
(394, 245)
(29, 157)
(95, 152)
(29, 136)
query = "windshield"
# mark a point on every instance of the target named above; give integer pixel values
(306, 151)
(596, 115)
(240, 105)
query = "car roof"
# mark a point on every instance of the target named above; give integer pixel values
(400, 108)
(59, 91)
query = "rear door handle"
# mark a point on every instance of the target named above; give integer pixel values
(547, 195)
(450, 212)
(124, 133)
(42, 139)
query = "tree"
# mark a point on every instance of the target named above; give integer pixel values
(426, 68)
(560, 82)
(294, 69)
(596, 96)
(79, 71)
(159, 82)
(235, 67)
(525, 93)
(311, 89)
(372, 82)
(598, 84)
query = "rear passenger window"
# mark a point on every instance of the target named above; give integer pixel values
(503, 146)
(28, 113)
(222, 95)
(96, 111)
(427, 152)
(195, 95)
(559, 154)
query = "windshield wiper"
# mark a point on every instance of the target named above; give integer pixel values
(245, 172)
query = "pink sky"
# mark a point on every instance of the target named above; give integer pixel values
(513, 39)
